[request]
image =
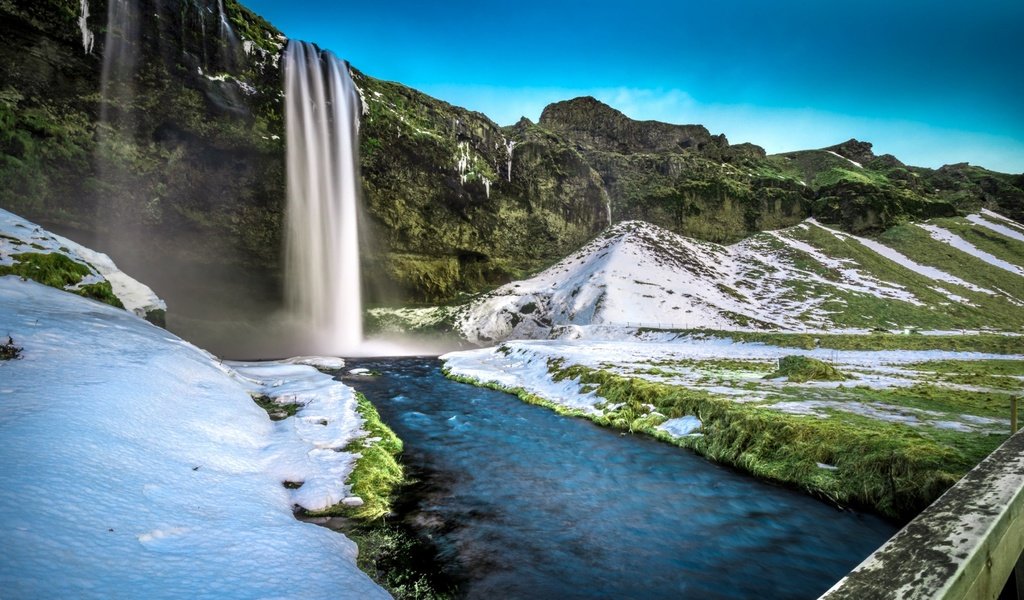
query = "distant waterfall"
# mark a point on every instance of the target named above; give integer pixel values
(322, 244)
(120, 56)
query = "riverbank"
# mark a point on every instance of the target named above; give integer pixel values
(137, 465)
(896, 431)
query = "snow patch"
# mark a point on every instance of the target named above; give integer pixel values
(852, 162)
(996, 227)
(681, 426)
(948, 237)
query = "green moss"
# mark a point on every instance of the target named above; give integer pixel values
(278, 411)
(400, 562)
(58, 271)
(800, 369)
(99, 291)
(377, 473)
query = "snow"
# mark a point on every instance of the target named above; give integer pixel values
(996, 227)
(906, 262)
(19, 235)
(948, 237)
(852, 162)
(998, 217)
(137, 465)
(681, 426)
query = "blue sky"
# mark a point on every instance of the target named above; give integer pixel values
(931, 82)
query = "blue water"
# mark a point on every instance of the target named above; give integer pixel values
(524, 503)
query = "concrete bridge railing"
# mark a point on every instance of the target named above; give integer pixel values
(968, 544)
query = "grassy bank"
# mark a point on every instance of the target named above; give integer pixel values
(377, 474)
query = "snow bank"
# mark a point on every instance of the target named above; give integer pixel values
(136, 465)
(18, 235)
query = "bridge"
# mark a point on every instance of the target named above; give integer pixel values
(968, 544)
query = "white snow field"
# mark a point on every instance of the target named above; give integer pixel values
(638, 275)
(135, 465)
(18, 235)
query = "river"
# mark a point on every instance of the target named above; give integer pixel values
(523, 503)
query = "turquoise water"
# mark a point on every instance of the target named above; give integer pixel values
(523, 503)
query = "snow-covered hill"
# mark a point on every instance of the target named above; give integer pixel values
(21, 239)
(807, 277)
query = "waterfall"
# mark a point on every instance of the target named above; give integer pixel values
(119, 58)
(321, 238)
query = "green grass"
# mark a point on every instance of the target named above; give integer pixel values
(991, 366)
(943, 399)
(800, 369)
(377, 473)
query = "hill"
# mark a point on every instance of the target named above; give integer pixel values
(943, 274)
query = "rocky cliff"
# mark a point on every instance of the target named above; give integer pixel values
(188, 163)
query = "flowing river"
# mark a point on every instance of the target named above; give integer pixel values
(523, 503)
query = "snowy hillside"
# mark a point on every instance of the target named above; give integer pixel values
(946, 274)
(137, 465)
(22, 241)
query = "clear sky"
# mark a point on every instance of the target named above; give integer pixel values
(932, 82)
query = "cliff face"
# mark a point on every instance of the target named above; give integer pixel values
(189, 163)
(457, 203)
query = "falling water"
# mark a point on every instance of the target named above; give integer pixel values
(322, 245)
(119, 58)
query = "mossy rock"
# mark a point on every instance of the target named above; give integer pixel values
(800, 369)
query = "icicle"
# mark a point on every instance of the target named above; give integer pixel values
(509, 145)
(463, 161)
(88, 39)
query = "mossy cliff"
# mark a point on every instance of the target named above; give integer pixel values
(191, 163)
(445, 209)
